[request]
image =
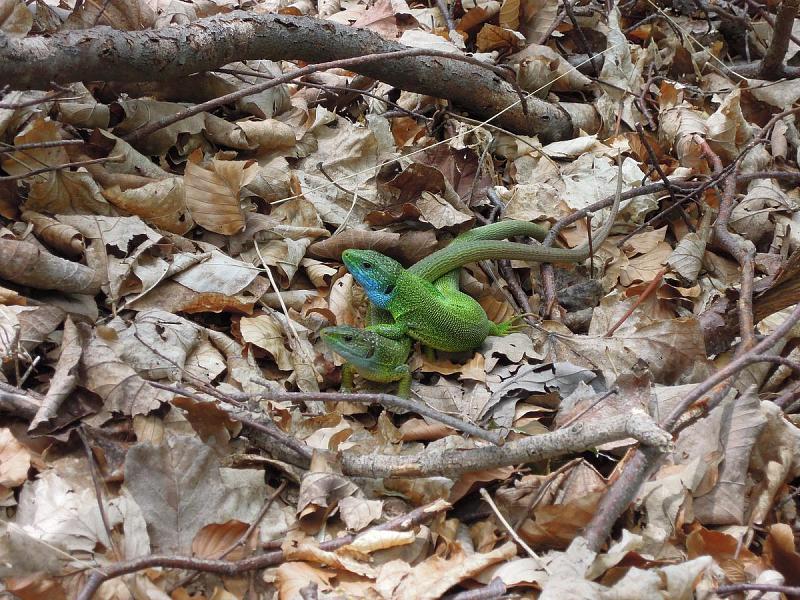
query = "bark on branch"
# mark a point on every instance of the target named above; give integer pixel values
(105, 54)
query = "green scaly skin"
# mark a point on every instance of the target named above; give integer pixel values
(373, 356)
(441, 316)
(383, 359)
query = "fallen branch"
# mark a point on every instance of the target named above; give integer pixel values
(101, 53)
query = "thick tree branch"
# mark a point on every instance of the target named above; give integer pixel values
(103, 53)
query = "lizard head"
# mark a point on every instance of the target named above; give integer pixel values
(376, 273)
(354, 345)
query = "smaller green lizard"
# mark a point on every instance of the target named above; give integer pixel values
(374, 357)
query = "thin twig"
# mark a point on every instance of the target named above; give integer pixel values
(4, 148)
(389, 401)
(80, 163)
(488, 499)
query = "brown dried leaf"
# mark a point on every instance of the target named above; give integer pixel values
(15, 460)
(509, 14)
(178, 487)
(213, 540)
(35, 586)
(408, 247)
(491, 37)
(212, 192)
(266, 332)
(401, 581)
(161, 203)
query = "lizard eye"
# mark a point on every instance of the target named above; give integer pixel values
(389, 289)
(348, 338)
(367, 265)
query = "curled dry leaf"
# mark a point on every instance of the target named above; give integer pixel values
(62, 238)
(65, 377)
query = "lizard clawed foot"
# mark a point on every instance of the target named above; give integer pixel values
(513, 325)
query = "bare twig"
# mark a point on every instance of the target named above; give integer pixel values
(389, 401)
(771, 66)
(736, 588)
(488, 499)
(80, 163)
(4, 148)
(448, 18)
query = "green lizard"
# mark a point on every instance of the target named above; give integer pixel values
(383, 359)
(440, 316)
(371, 355)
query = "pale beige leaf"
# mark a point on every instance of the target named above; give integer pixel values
(156, 344)
(728, 130)
(645, 267)
(752, 216)
(537, 17)
(319, 495)
(130, 162)
(509, 14)
(15, 18)
(272, 181)
(374, 540)
(319, 273)
(674, 350)
(358, 513)
(124, 15)
(141, 112)
(25, 327)
(678, 126)
(178, 487)
(266, 332)
(81, 109)
(438, 573)
(336, 560)
(54, 191)
(341, 300)
(734, 426)
(15, 460)
(55, 512)
(687, 258)
(292, 577)
(539, 68)
(268, 135)
(515, 347)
